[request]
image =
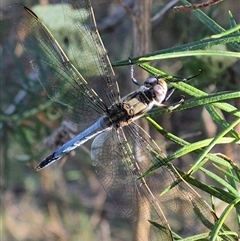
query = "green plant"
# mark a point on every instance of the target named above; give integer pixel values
(228, 180)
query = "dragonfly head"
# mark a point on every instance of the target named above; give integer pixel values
(150, 82)
(158, 87)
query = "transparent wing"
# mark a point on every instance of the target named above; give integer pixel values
(88, 51)
(120, 157)
(115, 167)
(181, 199)
(63, 83)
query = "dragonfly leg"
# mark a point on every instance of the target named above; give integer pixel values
(132, 77)
(171, 107)
(180, 102)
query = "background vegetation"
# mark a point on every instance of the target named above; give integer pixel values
(66, 201)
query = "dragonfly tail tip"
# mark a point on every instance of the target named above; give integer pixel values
(38, 167)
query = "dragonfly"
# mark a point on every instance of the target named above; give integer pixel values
(121, 150)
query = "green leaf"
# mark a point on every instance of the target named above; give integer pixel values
(219, 180)
(190, 49)
(220, 222)
(200, 161)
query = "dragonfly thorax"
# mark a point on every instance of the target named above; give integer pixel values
(118, 115)
(136, 104)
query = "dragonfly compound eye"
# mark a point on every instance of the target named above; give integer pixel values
(149, 82)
